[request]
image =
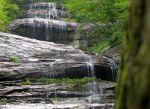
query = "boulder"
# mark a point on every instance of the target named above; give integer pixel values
(113, 52)
(22, 57)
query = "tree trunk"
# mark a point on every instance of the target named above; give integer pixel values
(133, 90)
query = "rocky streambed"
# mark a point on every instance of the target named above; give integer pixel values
(13, 94)
(35, 57)
(22, 58)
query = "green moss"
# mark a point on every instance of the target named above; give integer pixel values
(14, 59)
(26, 82)
(46, 80)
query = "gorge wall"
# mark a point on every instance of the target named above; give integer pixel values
(45, 21)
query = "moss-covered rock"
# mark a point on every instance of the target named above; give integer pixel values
(134, 83)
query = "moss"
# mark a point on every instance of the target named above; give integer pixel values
(26, 82)
(133, 80)
(46, 80)
(14, 59)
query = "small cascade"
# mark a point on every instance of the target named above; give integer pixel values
(44, 21)
(113, 66)
(45, 11)
(37, 11)
(93, 87)
(46, 30)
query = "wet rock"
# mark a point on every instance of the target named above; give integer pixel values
(113, 52)
(46, 11)
(44, 29)
(30, 53)
(44, 21)
(45, 5)
(58, 106)
(45, 14)
(56, 93)
(38, 58)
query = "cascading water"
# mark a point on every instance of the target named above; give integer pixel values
(47, 23)
(48, 27)
(113, 67)
(48, 11)
(92, 87)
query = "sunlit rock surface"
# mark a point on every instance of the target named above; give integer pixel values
(22, 57)
(61, 106)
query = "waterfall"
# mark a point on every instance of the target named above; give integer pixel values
(48, 18)
(43, 10)
(93, 86)
(45, 21)
(113, 67)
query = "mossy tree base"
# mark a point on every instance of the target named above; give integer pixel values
(133, 91)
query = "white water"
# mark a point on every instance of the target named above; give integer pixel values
(45, 15)
(93, 86)
(113, 67)
(58, 106)
(50, 11)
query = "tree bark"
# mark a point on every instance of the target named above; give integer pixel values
(133, 90)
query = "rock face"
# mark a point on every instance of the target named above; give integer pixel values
(44, 21)
(44, 29)
(46, 11)
(15, 92)
(113, 52)
(22, 57)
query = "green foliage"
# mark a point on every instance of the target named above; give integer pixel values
(11, 9)
(46, 80)
(83, 11)
(8, 12)
(97, 10)
(14, 59)
(26, 82)
(89, 10)
(98, 47)
(113, 12)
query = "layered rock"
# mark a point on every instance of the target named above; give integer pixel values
(22, 57)
(45, 21)
(15, 92)
(113, 52)
(45, 14)
(45, 5)
(46, 11)
(44, 29)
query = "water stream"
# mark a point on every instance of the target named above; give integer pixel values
(46, 21)
(49, 11)
(113, 66)
(53, 29)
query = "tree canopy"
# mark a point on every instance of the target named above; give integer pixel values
(113, 12)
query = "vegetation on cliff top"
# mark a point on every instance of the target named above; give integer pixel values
(114, 12)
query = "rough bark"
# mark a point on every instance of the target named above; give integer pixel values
(133, 91)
